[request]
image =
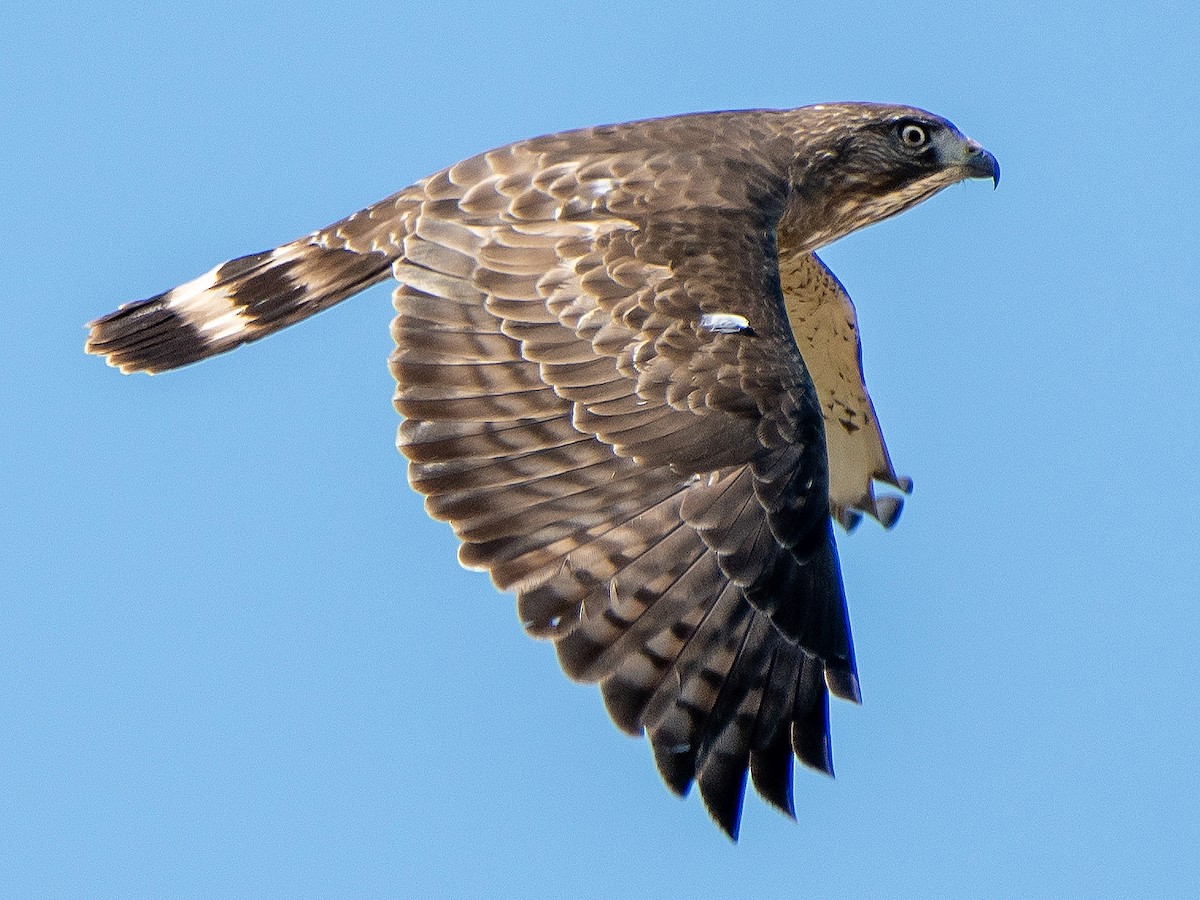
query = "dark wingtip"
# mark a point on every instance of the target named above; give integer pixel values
(810, 736)
(723, 787)
(771, 773)
(843, 683)
(677, 766)
(625, 703)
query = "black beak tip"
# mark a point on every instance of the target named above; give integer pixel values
(982, 164)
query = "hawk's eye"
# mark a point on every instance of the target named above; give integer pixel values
(913, 136)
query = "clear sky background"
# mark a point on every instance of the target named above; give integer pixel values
(236, 659)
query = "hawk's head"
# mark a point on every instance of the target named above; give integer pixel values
(859, 163)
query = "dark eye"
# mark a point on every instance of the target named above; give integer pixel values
(913, 136)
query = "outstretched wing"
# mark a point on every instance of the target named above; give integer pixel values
(652, 486)
(603, 396)
(826, 330)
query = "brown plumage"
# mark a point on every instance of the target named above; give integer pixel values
(620, 366)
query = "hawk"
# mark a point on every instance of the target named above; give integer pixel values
(636, 394)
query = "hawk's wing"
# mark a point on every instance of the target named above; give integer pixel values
(655, 490)
(603, 397)
(826, 330)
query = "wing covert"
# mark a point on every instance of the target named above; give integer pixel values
(654, 490)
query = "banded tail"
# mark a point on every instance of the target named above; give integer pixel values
(604, 398)
(252, 296)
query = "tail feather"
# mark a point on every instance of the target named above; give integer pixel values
(253, 296)
(237, 302)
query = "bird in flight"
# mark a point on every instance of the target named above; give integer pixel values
(636, 395)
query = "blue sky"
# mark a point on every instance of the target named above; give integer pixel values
(236, 659)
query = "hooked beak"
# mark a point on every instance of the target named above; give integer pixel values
(978, 163)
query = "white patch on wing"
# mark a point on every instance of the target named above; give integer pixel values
(724, 323)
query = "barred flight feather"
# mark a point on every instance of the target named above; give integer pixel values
(637, 396)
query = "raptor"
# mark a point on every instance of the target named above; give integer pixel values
(636, 394)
